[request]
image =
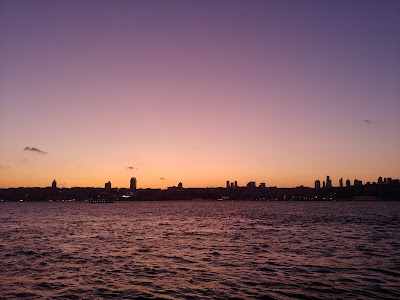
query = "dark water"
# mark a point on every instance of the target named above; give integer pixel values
(203, 250)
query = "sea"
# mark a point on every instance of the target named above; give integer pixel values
(200, 250)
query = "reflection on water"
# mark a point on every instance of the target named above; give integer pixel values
(175, 250)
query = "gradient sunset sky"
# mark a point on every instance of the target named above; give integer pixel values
(282, 92)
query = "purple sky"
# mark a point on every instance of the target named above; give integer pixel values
(198, 91)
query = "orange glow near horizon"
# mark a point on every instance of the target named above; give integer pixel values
(206, 176)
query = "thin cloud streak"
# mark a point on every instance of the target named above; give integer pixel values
(367, 122)
(33, 149)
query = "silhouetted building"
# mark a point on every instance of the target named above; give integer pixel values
(357, 182)
(388, 180)
(262, 185)
(251, 184)
(107, 186)
(341, 182)
(180, 185)
(132, 188)
(323, 184)
(348, 183)
(380, 181)
(54, 184)
(317, 184)
(328, 182)
(231, 184)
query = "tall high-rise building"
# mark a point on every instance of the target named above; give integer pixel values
(317, 184)
(328, 182)
(54, 184)
(323, 184)
(228, 185)
(341, 182)
(348, 183)
(132, 188)
(107, 186)
(357, 182)
(236, 184)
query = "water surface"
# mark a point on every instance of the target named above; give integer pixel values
(203, 250)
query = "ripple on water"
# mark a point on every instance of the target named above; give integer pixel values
(202, 250)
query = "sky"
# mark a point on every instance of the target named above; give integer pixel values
(198, 92)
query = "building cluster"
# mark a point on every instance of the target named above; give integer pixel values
(251, 184)
(357, 183)
(176, 188)
(132, 186)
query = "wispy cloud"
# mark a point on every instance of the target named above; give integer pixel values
(4, 167)
(131, 168)
(33, 149)
(162, 178)
(367, 122)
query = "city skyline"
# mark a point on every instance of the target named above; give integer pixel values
(200, 93)
(132, 187)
